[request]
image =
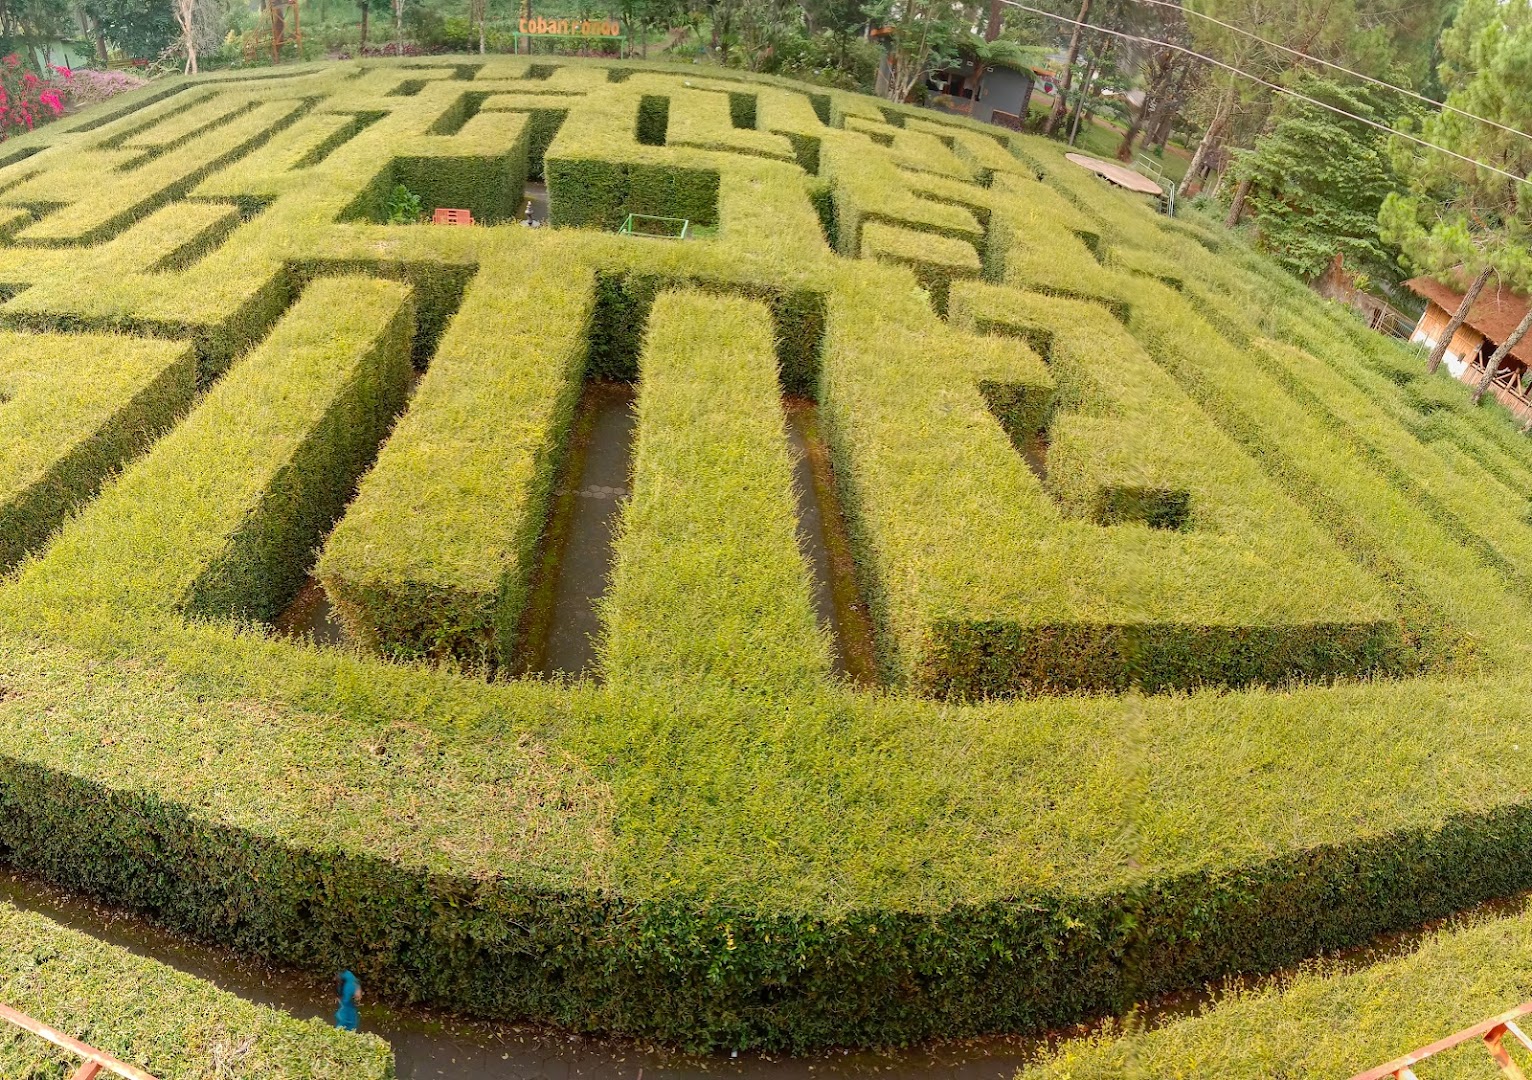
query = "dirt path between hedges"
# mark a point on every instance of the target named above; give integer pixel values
(433, 1046)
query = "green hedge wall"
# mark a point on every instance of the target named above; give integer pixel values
(221, 517)
(595, 194)
(1326, 1021)
(77, 408)
(434, 555)
(729, 860)
(722, 972)
(145, 1014)
(694, 577)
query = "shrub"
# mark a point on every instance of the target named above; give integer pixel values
(27, 99)
(87, 86)
(78, 407)
(404, 207)
(150, 1016)
(432, 561)
(1156, 592)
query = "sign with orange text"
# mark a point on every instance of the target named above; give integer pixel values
(572, 27)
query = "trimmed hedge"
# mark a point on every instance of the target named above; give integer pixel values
(75, 409)
(707, 580)
(482, 168)
(870, 187)
(1327, 1021)
(219, 519)
(1366, 509)
(108, 189)
(1136, 606)
(732, 850)
(591, 187)
(938, 261)
(434, 555)
(150, 1016)
(705, 118)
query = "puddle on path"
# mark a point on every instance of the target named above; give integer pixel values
(310, 617)
(1034, 451)
(562, 625)
(825, 542)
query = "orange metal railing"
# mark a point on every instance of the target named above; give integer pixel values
(96, 1061)
(1492, 1031)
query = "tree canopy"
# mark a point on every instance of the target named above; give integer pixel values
(1318, 179)
(1453, 212)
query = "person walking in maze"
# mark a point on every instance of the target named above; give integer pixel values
(346, 1017)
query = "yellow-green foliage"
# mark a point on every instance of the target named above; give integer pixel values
(1325, 1023)
(432, 557)
(708, 582)
(1201, 615)
(936, 260)
(220, 518)
(75, 407)
(157, 1019)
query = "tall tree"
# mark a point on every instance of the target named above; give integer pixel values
(1061, 88)
(1376, 37)
(1161, 67)
(478, 15)
(201, 26)
(137, 27)
(923, 34)
(1317, 180)
(843, 19)
(759, 25)
(1459, 217)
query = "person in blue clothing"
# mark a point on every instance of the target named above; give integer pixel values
(346, 1017)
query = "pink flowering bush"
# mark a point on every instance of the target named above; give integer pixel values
(26, 99)
(87, 86)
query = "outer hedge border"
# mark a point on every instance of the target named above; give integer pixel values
(172, 1025)
(1322, 1023)
(704, 972)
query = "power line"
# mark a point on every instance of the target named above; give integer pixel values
(1176, 5)
(1273, 86)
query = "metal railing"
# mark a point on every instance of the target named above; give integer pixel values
(661, 228)
(1492, 1031)
(96, 1061)
(1154, 171)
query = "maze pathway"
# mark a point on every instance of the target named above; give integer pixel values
(1194, 615)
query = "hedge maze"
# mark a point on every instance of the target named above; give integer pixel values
(150, 1016)
(1199, 617)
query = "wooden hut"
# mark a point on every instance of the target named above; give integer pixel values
(1493, 316)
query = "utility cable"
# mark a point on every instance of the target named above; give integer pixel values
(1273, 86)
(1178, 6)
